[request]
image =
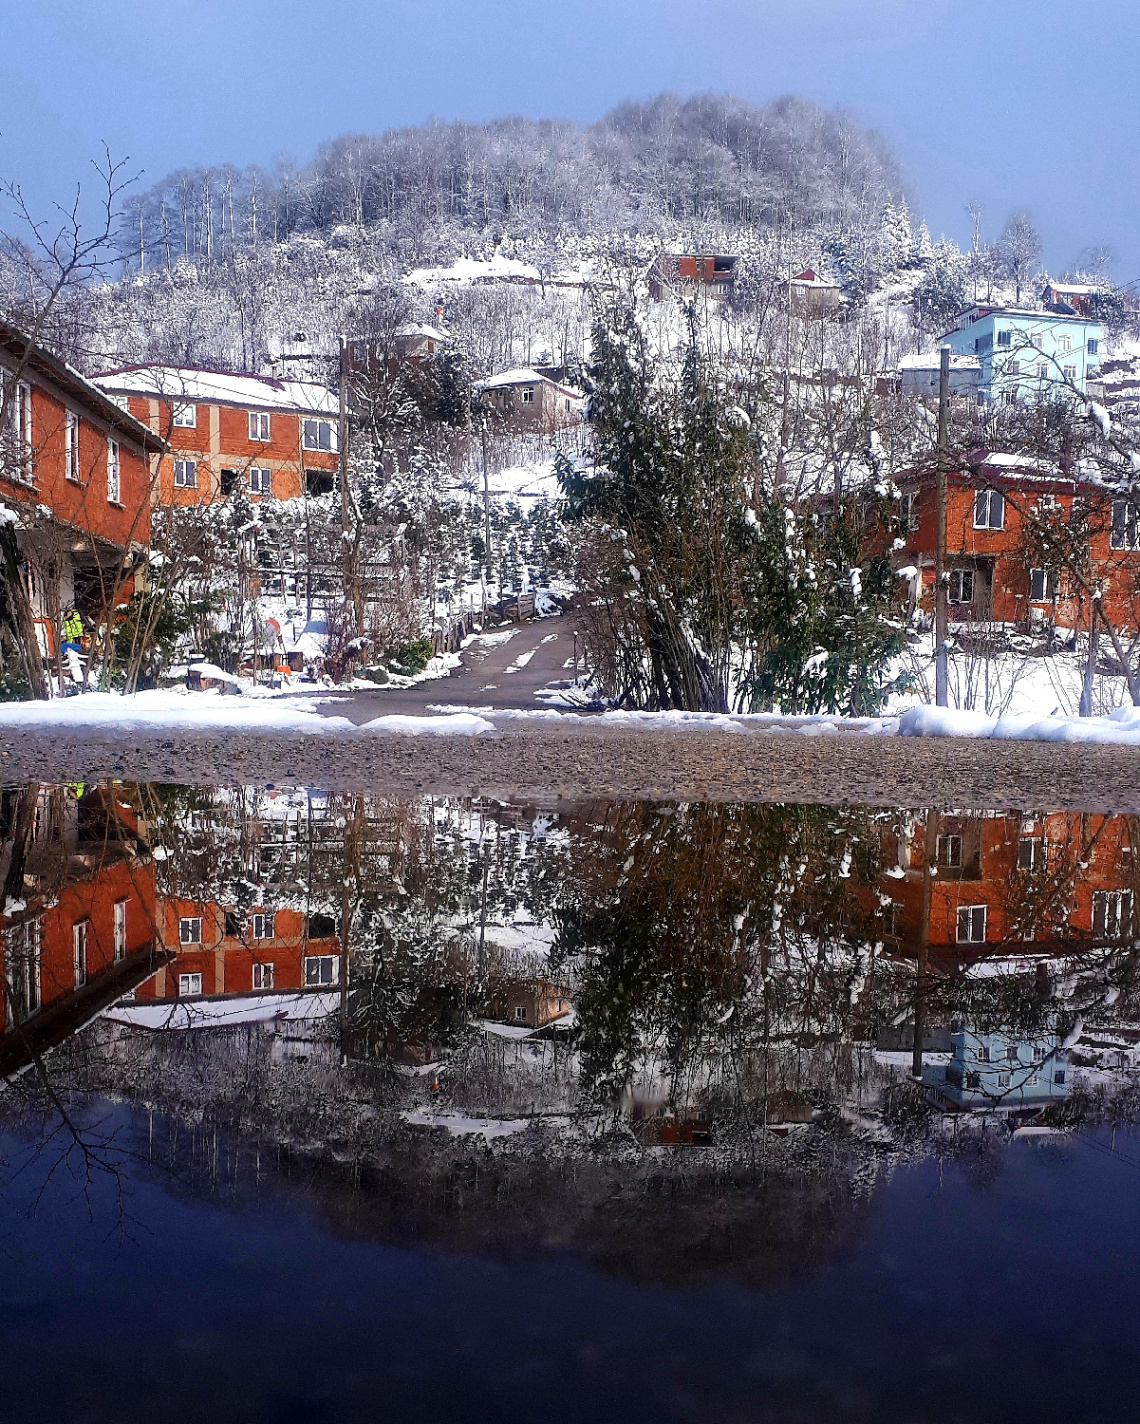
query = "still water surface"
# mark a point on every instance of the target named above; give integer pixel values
(340, 1107)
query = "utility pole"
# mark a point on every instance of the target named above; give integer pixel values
(347, 537)
(486, 502)
(941, 610)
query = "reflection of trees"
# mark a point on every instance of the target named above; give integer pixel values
(710, 930)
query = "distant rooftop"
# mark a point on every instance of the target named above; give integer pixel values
(220, 387)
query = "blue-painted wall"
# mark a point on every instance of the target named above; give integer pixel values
(1025, 354)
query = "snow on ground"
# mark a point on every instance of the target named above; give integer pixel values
(110, 715)
(460, 1125)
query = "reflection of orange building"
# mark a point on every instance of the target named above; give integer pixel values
(217, 953)
(1048, 883)
(84, 933)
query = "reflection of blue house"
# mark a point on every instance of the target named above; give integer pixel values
(1026, 354)
(1000, 1070)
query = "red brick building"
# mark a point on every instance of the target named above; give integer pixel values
(268, 436)
(78, 471)
(676, 271)
(988, 555)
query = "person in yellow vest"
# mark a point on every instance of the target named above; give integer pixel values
(73, 631)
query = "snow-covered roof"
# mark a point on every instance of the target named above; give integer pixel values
(932, 360)
(221, 388)
(471, 269)
(810, 278)
(429, 333)
(223, 1012)
(524, 376)
(1075, 289)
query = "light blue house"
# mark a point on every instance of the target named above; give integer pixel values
(1027, 354)
(999, 1071)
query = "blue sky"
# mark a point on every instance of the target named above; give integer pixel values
(1015, 102)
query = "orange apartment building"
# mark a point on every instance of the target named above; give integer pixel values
(84, 933)
(990, 578)
(270, 437)
(78, 471)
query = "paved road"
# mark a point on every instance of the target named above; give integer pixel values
(503, 668)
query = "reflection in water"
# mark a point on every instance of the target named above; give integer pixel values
(475, 1021)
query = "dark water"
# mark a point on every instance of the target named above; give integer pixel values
(352, 1108)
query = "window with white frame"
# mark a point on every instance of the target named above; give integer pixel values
(1038, 340)
(259, 425)
(79, 951)
(1070, 372)
(1111, 913)
(260, 480)
(21, 428)
(1125, 533)
(321, 970)
(972, 924)
(120, 929)
(71, 447)
(1004, 338)
(1064, 345)
(113, 483)
(989, 509)
(190, 929)
(909, 509)
(185, 415)
(520, 1011)
(185, 474)
(1014, 368)
(1029, 852)
(263, 976)
(1009, 397)
(528, 395)
(263, 926)
(1044, 585)
(961, 586)
(1042, 370)
(949, 851)
(189, 984)
(23, 967)
(318, 435)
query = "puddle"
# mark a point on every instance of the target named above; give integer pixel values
(669, 1110)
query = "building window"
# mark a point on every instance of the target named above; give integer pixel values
(909, 510)
(1125, 525)
(22, 963)
(1042, 370)
(259, 425)
(120, 927)
(972, 924)
(263, 926)
(1094, 345)
(1059, 1077)
(1015, 368)
(190, 929)
(79, 952)
(1028, 852)
(983, 1053)
(319, 435)
(321, 970)
(520, 1011)
(1070, 372)
(22, 431)
(1111, 913)
(185, 474)
(528, 395)
(961, 585)
(189, 984)
(263, 976)
(260, 480)
(112, 472)
(1009, 397)
(949, 851)
(1004, 338)
(989, 509)
(1044, 585)
(1064, 345)
(185, 415)
(1037, 340)
(1003, 1080)
(71, 447)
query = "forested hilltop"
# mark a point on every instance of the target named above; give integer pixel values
(708, 159)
